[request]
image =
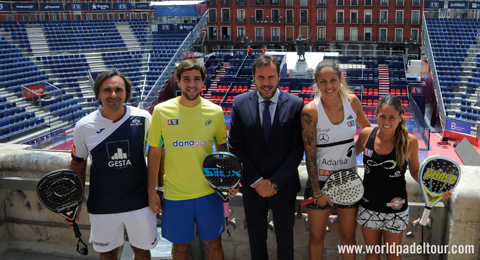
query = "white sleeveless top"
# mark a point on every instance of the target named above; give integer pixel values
(335, 143)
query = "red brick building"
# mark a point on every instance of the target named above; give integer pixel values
(347, 25)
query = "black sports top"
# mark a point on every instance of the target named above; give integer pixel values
(384, 181)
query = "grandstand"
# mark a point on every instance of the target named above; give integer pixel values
(454, 55)
(61, 58)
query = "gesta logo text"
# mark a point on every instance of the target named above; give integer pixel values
(439, 176)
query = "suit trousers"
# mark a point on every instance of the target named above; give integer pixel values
(256, 211)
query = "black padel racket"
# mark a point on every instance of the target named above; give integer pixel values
(223, 171)
(437, 175)
(61, 191)
(343, 187)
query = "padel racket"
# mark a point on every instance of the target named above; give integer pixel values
(343, 187)
(61, 191)
(437, 175)
(223, 171)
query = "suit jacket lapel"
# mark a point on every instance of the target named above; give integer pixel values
(280, 112)
(254, 113)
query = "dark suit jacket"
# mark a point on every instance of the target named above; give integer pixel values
(276, 159)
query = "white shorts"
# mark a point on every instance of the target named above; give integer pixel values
(107, 232)
(391, 222)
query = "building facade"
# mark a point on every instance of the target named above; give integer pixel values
(351, 26)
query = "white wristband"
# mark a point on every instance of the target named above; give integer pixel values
(160, 189)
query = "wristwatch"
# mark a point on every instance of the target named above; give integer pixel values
(275, 186)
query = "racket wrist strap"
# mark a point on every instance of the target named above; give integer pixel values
(316, 198)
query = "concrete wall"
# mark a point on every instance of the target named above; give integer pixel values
(23, 220)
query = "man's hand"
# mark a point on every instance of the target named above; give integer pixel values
(77, 218)
(264, 189)
(155, 203)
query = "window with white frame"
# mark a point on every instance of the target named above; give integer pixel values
(399, 17)
(321, 33)
(414, 35)
(354, 34)
(241, 15)
(398, 35)
(340, 3)
(367, 34)
(340, 34)
(303, 16)
(368, 3)
(275, 34)
(340, 16)
(240, 32)
(322, 15)
(383, 34)
(259, 15)
(289, 14)
(354, 2)
(353, 16)
(383, 16)
(259, 34)
(415, 17)
(368, 17)
(212, 15)
(225, 15)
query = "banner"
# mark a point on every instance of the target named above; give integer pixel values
(100, 7)
(458, 126)
(25, 7)
(240, 53)
(76, 7)
(434, 4)
(51, 6)
(122, 6)
(223, 52)
(142, 6)
(458, 4)
(95, 74)
(5, 7)
(166, 27)
(185, 26)
(474, 5)
(34, 91)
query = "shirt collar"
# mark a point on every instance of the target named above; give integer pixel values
(274, 99)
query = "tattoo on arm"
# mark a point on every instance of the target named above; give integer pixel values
(310, 145)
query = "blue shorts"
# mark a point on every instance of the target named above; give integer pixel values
(179, 218)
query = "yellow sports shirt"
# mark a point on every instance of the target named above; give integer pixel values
(188, 134)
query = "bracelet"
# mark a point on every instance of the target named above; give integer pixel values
(160, 189)
(316, 198)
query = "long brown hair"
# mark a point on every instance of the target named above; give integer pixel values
(401, 133)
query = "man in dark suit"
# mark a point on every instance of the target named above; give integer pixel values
(265, 133)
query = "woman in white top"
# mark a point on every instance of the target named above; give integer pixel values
(328, 127)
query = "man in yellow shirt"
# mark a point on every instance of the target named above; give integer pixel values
(188, 126)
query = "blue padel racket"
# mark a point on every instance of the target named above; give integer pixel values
(437, 175)
(223, 171)
(343, 187)
(61, 191)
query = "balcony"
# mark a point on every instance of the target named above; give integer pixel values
(322, 39)
(384, 21)
(383, 2)
(321, 4)
(212, 37)
(353, 21)
(226, 38)
(303, 20)
(225, 19)
(241, 20)
(399, 3)
(212, 19)
(211, 2)
(339, 21)
(225, 2)
(366, 20)
(259, 38)
(416, 3)
(258, 2)
(415, 22)
(399, 21)
(321, 21)
(241, 3)
(275, 38)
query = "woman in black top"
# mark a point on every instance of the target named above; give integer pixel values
(387, 149)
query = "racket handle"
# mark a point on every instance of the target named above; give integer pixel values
(76, 230)
(226, 209)
(424, 220)
(305, 202)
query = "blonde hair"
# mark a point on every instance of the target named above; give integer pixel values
(344, 90)
(401, 133)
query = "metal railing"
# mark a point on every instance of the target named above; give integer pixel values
(159, 85)
(436, 83)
